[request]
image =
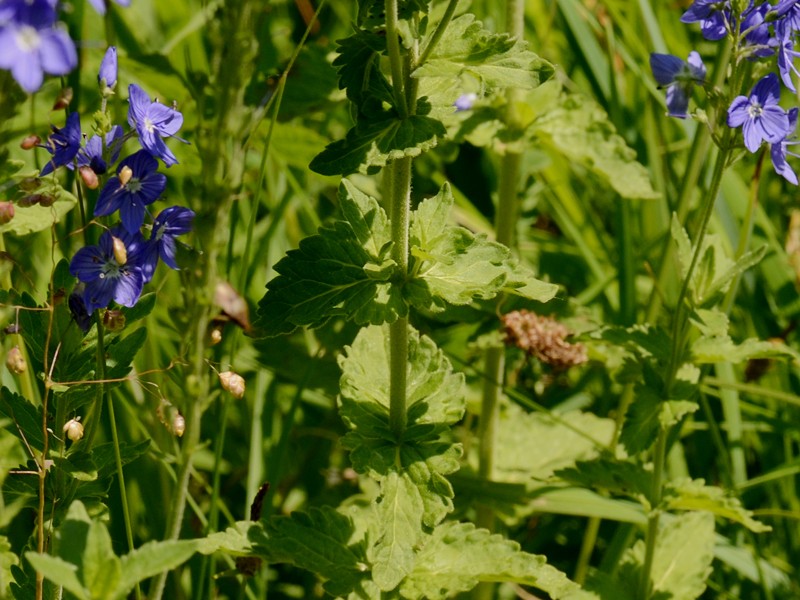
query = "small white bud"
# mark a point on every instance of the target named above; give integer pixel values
(15, 361)
(233, 383)
(73, 429)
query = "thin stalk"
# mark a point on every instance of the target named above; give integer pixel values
(439, 32)
(659, 460)
(395, 57)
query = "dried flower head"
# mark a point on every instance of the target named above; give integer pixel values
(544, 338)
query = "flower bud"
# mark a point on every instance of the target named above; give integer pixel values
(89, 177)
(125, 174)
(15, 361)
(120, 253)
(73, 429)
(215, 335)
(178, 424)
(30, 142)
(465, 101)
(107, 77)
(114, 320)
(6, 212)
(233, 383)
(29, 184)
(46, 200)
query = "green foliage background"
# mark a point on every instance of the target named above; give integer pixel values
(602, 169)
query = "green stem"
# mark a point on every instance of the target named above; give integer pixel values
(439, 32)
(126, 515)
(395, 57)
(659, 461)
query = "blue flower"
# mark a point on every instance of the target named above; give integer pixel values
(678, 77)
(107, 76)
(100, 5)
(32, 44)
(136, 185)
(63, 144)
(786, 54)
(171, 222)
(756, 30)
(714, 17)
(759, 115)
(465, 101)
(91, 155)
(779, 150)
(110, 273)
(153, 121)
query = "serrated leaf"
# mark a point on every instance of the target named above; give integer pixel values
(682, 559)
(714, 349)
(694, 494)
(457, 556)
(151, 559)
(399, 510)
(60, 572)
(452, 265)
(641, 422)
(580, 130)
(435, 400)
(328, 274)
(617, 476)
(715, 270)
(30, 219)
(24, 419)
(319, 541)
(497, 60)
(358, 66)
(376, 142)
(100, 569)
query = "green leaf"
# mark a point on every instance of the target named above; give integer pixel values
(100, 568)
(435, 397)
(534, 445)
(30, 219)
(320, 541)
(332, 273)
(25, 420)
(398, 510)
(682, 559)
(715, 270)
(358, 65)
(457, 556)
(121, 352)
(151, 559)
(580, 129)
(452, 265)
(376, 142)
(617, 476)
(694, 494)
(60, 572)
(496, 60)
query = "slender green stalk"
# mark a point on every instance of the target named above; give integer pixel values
(651, 536)
(395, 57)
(439, 32)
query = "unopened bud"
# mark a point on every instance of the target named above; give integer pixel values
(6, 212)
(125, 174)
(114, 320)
(89, 177)
(46, 200)
(120, 253)
(30, 142)
(34, 199)
(233, 383)
(12, 329)
(178, 424)
(63, 99)
(15, 361)
(74, 429)
(216, 335)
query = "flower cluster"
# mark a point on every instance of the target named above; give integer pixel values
(33, 43)
(542, 337)
(761, 31)
(123, 260)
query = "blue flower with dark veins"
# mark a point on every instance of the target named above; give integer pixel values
(759, 115)
(110, 270)
(784, 39)
(714, 17)
(63, 144)
(136, 185)
(779, 150)
(32, 43)
(678, 76)
(171, 222)
(153, 121)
